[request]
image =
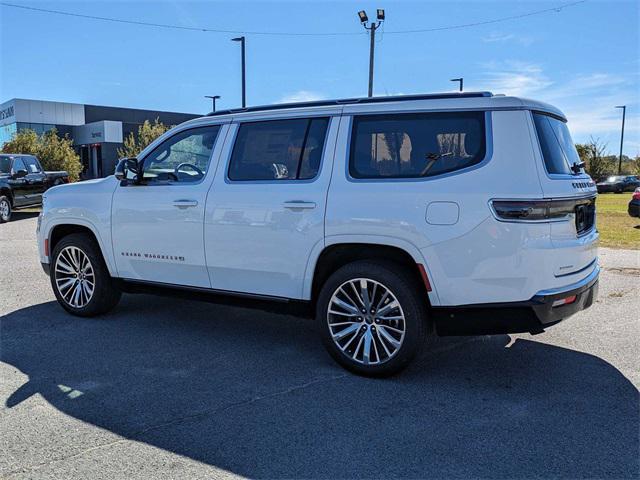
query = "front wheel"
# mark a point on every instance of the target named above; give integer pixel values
(5, 209)
(80, 279)
(372, 317)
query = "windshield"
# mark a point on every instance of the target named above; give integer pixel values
(5, 165)
(614, 179)
(558, 149)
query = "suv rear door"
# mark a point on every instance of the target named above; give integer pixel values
(265, 211)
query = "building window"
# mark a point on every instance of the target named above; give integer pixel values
(7, 132)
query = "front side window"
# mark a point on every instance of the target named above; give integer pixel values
(18, 165)
(278, 149)
(416, 145)
(182, 158)
(32, 165)
(558, 150)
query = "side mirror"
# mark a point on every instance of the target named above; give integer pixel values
(20, 174)
(126, 166)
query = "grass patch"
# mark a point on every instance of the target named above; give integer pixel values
(617, 229)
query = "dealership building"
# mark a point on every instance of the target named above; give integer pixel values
(97, 131)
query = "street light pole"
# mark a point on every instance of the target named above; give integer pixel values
(373, 26)
(244, 84)
(213, 98)
(460, 81)
(624, 111)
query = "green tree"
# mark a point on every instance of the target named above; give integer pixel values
(53, 151)
(147, 133)
(593, 155)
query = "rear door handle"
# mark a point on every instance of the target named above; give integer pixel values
(299, 204)
(185, 203)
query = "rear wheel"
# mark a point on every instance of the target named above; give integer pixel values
(372, 317)
(5, 209)
(80, 279)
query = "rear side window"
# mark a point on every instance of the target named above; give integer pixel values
(32, 164)
(558, 149)
(416, 145)
(278, 149)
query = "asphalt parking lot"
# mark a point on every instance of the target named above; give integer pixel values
(166, 388)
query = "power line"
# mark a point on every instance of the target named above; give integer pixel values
(488, 22)
(307, 34)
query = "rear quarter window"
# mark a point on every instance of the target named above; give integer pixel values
(416, 145)
(558, 150)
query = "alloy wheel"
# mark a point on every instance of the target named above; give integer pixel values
(5, 209)
(74, 277)
(366, 321)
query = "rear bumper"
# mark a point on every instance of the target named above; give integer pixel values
(531, 316)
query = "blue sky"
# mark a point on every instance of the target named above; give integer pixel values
(583, 59)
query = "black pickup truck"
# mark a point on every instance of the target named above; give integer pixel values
(23, 181)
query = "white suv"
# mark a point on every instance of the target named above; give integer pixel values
(388, 218)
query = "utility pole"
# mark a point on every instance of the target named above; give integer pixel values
(459, 80)
(373, 26)
(213, 98)
(244, 84)
(624, 111)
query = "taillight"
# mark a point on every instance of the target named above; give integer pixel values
(532, 210)
(582, 209)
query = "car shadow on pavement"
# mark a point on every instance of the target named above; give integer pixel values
(18, 215)
(255, 394)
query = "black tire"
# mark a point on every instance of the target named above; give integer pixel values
(105, 295)
(620, 190)
(5, 206)
(413, 302)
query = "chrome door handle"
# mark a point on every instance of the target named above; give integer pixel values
(185, 203)
(299, 204)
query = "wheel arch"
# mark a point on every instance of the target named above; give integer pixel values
(339, 251)
(58, 231)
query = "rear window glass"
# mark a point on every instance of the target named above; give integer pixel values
(416, 145)
(278, 149)
(558, 149)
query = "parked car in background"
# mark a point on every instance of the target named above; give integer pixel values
(634, 204)
(618, 184)
(387, 218)
(22, 183)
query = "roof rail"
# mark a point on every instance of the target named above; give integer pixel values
(351, 101)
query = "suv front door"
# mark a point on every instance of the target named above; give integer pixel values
(19, 185)
(157, 224)
(265, 212)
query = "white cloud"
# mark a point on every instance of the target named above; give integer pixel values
(588, 100)
(301, 96)
(497, 37)
(514, 78)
